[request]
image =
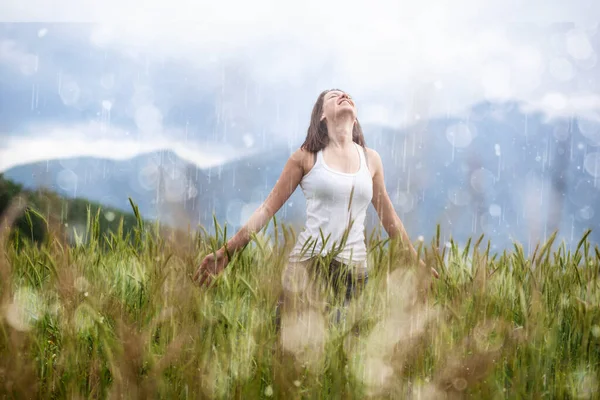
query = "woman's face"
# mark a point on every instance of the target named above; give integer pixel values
(337, 104)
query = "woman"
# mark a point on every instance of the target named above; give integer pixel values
(339, 177)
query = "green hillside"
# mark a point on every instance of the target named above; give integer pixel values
(46, 209)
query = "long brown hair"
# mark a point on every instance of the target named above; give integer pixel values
(316, 137)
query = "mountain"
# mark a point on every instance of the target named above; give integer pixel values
(497, 170)
(163, 185)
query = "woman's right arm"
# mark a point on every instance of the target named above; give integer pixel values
(290, 178)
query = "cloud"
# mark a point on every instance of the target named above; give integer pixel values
(448, 55)
(62, 142)
(14, 56)
(557, 105)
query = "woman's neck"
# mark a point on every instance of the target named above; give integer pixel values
(340, 133)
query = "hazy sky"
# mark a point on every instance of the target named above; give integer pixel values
(217, 80)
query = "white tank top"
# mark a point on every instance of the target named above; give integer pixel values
(327, 193)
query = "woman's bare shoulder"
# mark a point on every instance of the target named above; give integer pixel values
(304, 158)
(372, 152)
(374, 159)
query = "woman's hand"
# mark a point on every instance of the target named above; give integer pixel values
(211, 266)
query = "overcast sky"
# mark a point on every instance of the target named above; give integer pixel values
(221, 79)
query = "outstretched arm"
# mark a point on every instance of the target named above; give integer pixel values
(286, 185)
(385, 209)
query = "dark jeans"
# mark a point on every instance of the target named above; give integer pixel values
(336, 281)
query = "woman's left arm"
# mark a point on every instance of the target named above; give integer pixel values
(385, 209)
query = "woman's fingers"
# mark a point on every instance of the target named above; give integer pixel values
(205, 279)
(202, 268)
(208, 269)
(205, 273)
(198, 272)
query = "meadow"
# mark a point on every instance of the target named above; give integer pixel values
(118, 316)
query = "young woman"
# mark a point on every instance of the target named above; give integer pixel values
(339, 176)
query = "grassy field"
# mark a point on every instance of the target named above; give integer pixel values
(116, 318)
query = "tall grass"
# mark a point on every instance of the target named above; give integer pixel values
(120, 317)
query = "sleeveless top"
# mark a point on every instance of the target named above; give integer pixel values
(336, 206)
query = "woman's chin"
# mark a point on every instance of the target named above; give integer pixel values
(345, 112)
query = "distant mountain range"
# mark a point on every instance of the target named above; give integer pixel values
(498, 171)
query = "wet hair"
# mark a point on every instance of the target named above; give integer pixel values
(316, 137)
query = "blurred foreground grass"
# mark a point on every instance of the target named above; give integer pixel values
(110, 317)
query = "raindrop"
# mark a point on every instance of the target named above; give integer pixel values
(25, 310)
(148, 176)
(42, 32)
(561, 131)
(294, 277)
(459, 196)
(107, 105)
(556, 101)
(192, 192)
(590, 129)
(459, 135)
(234, 211)
(482, 180)
(459, 383)
(110, 216)
(143, 95)
(29, 64)
(148, 118)
(67, 180)
(495, 210)
(269, 391)
(247, 211)
(497, 150)
(561, 69)
(82, 320)
(591, 163)
(487, 222)
(578, 45)
(258, 195)
(588, 63)
(81, 284)
(583, 192)
(69, 91)
(175, 189)
(586, 212)
(404, 200)
(248, 140)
